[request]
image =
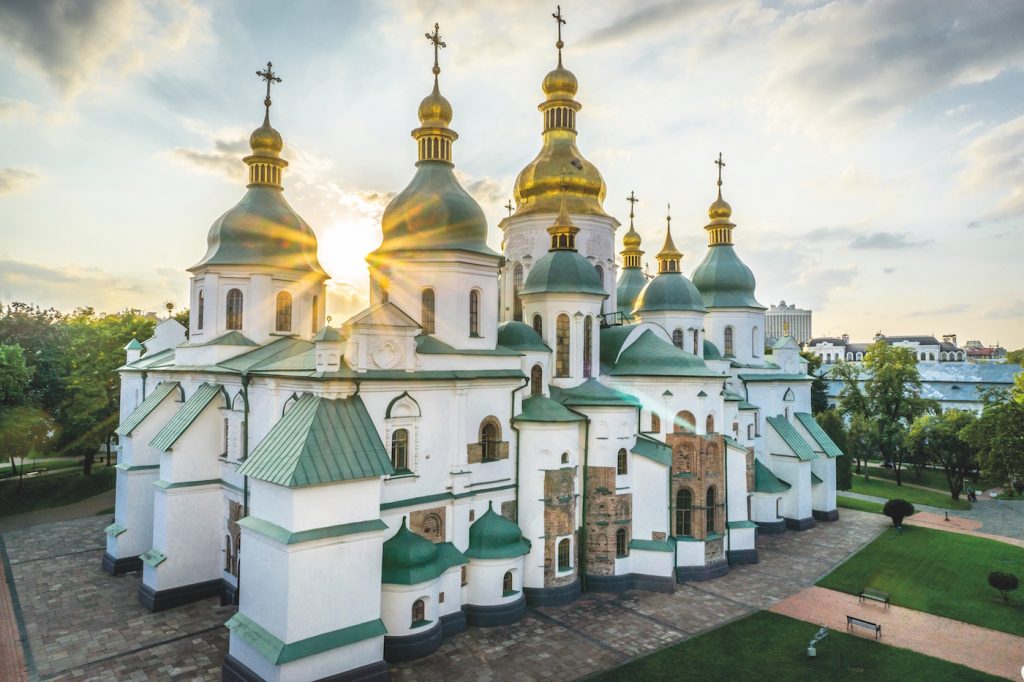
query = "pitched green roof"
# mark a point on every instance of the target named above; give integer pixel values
(593, 393)
(184, 417)
(669, 291)
(320, 441)
(746, 405)
(269, 354)
(767, 482)
(521, 336)
(328, 333)
(731, 397)
(711, 351)
(492, 536)
(782, 342)
(134, 345)
(233, 338)
(735, 443)
(563, 271)
(431, 345)
(775, 377)
(819, 435)
(540, 409)
(792, 438)
(653, 450)
(724, 280)
(165, 356)
(162, 390)
(410, 559)
(650, 355)
(815, 479)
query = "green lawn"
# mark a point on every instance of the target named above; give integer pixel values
(44, 492)
(889, 490)
(767, 646)
(862, 505)
(938, 572)
(931, 478)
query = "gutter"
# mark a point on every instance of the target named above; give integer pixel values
(512, 425)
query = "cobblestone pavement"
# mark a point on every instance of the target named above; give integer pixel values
(991, 651)
(83, 624)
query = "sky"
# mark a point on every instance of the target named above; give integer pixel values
(874, 149)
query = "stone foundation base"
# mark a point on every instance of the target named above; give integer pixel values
(631, 581)
(771, 527)
(701, 573)
(453, 624)
(800, 524)
(411, 647)
(121, 566)
(228, 593)
(553, 596)
(236, 671)
(500, 614)
(825, 515)
(161, 600)
(742, 556)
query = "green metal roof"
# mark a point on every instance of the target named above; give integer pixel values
(746, 405)
(819, 435)
(134, 345)
(735, 443)
(262, 229)
(563, 271)
(747, 377)
(271, 353)
(782, 342)
(184, 417)
(724, 280)
(593, 393)
(653, 449)
(277, 652)
(540, 409)
(232, 338)
(320, 441)
(731, 397)
(492, 536)
(162, 390)
(612, 339)
(410, 559)
(631, 281)
(816, 479)
(711, 351)
(166, 356)
(667, 545)
(521, 336)
(767, 482)
(792, 438)
(669, 291)
(328, 333)
(431, 345)
(650, 355)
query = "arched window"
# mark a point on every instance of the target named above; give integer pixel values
(538, 325)
(284, 312)
(621, 463)
(849, 356)
(490, 439)
(474, 313)
(506, 582)
(655, 423)
(200, 310)
(728, 341)
(419, 611)
(684, 512)
(588, 345)
(432, 526)
(600, 274)
(517, 284)
(677, 339)
(685, 422)
(427, 311)
(400, 449)
(709, 424)
(697, 350)
(536, 380)
(227, 435)
(234, 309)
(562, 346)
(620, 542)
(710, 510)
(755, 342)
(564, 563)
(314, 318)
(227, 553)
(565, 458)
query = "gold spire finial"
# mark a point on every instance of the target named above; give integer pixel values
(435, 39)
(631, 252)
(271, 77)
(563, 230)
(434, 138)
(669, 256)
(559, 21)
(719, 229)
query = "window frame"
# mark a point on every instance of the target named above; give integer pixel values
(234, 309)
(428, 310)
(283, 312)
(563, 346)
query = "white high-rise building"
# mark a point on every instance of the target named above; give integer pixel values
(788, 320)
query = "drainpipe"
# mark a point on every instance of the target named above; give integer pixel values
(245, 441)
(728, 535)
(512, 425)
(144, 375)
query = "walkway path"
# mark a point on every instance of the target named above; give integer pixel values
(87, 507)
(957, 524)
(997, 518)
(991, 651)
(12, 660)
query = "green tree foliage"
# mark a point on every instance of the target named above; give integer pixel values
(23, 430)
(851, 397)
(998, 435)
(15, 376)
(831, 422)
(860, 440)
(897, 510)
(819, 387)
(1004, 582)
(1015, 357)
(43, 340)
(940, 439)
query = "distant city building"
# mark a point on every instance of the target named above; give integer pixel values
(788, 320)
(925, 348)
(977, 352)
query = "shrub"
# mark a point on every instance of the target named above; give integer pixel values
(897, 510)
(1004, 582)
(1019, 487)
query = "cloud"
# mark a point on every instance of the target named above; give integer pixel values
(1007, 309)
(951, 309)
(995, 160)
(15, 179)
(653, 18)
(819, 284)
(78, 45)
(886, 240)
(13, 109)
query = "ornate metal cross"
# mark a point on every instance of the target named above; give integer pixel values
(509, 207)
(721, 165)
(632, 203)
(435, 39)
(269, 76)
(557, 16)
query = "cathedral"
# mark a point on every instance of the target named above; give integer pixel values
(496, 430)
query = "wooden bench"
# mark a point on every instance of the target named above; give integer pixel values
(875, 595)
(867, 624)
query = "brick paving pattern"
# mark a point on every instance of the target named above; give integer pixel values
(991, 651)
(958, 524)
(12, 660)
(83, 624)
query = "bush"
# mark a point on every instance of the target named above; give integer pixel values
(1019, 487)
(1004, 582)
(897, 510)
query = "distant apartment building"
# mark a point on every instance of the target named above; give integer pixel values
(788, 320)
(925, 348)
(978, 352)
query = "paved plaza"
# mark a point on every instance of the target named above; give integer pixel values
(83, 624)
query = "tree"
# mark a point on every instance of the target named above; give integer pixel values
(851, 398)
(1015, 357)
(819, 387)
(897, 510)
(23, 430)
(893, 393)
(937, 439)
(832, 423)
(15, 375)
(998, 435)
(860, 440)
(1004, 582)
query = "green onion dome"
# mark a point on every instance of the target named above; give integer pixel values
(669, 291)
(520, 336)
(724, 280)
(409, 558)
(492, 536)
(631, 281)
(563, 271)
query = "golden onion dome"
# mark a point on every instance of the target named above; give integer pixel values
(435, 111)
(720, 208)
(265, 141)
(631, 240)
(560, 83)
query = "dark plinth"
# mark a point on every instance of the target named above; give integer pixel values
(826, 516)
(411, 647)
(453, 623)
(235, 671)
(742, 556)
(700, 573)
(128, 564)
(161, 600)
(800, 524)
(771, 527)
(499, 614)
(553, 596)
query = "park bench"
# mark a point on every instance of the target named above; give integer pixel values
(867, 624)
(875, 595)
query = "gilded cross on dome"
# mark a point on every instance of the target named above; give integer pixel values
(721, 165)
(632, 203)
(435, 39)
(271, 77)
(557, 16)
